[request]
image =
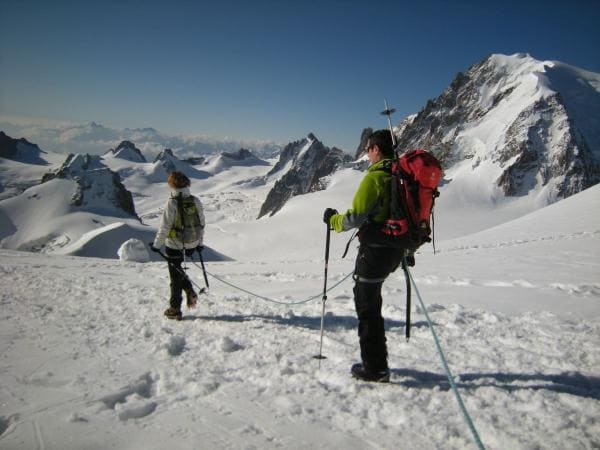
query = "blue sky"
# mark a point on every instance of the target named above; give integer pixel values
(273, 70)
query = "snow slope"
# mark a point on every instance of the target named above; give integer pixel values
(17, 176)
(88, 361)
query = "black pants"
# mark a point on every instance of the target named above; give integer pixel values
(179, 281)
(373, 265)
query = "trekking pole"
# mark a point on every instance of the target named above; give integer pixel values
(408, 295)
(170, 263)
(185, 275)
(320, 355)
(203, 269)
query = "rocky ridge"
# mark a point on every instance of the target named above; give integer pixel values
(304, 165)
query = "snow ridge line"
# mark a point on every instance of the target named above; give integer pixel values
(262, 297)
(449, 375)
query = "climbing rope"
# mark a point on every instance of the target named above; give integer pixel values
(449, 375)
(267, 299)
(461, 405)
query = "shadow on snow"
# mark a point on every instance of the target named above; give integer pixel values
(312, 323)
(573, 383)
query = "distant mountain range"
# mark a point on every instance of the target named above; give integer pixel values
(77, 204)
(95, 138)
(510, 129)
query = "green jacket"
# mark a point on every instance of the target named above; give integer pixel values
(372, 200)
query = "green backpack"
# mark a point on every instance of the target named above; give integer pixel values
(187, 227)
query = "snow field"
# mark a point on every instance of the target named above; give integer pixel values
(88, 361)
(104, 368)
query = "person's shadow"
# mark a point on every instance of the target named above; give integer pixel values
(332, 322)
(573, 383)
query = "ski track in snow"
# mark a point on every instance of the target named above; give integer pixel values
(239, 372)
(495, 245)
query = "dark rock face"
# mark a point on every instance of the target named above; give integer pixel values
(20, 150)
(309, 162)
(548, 142)
(195, 160)
(240, 155)
(364, 137)
(97, 185)
(243, 157)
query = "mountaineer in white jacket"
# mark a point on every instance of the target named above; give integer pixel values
(181, 231)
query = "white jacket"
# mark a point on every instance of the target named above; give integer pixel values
(168, 219)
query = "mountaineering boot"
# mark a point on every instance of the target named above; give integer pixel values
(362, 373)
(191, 297)
(172, 313)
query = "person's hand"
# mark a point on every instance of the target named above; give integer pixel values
(328, 213)
(153, 248)
(410, 260)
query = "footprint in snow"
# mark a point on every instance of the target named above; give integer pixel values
(229, 346)
(133, 401)
(175, 345)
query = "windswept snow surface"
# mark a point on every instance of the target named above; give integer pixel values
(88, 360)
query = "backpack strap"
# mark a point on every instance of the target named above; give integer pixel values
(349, 242)
(179, 200)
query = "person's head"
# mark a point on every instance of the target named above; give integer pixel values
(380, 146)
(178, 180)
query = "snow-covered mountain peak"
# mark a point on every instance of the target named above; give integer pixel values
(128, 151)
(165, 155)
(513, 126)
(76, 164)
(226, 160)
(166, 162)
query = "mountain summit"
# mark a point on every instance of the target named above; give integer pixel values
(304, 165)
(520, 126)
(128, 151)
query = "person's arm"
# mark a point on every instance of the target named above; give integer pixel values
(166, 223)
(363, 204)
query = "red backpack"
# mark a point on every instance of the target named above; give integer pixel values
(415, 178)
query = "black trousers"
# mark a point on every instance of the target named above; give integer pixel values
(373, 265)
(179, 281)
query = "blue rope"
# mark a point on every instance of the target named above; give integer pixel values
(262, 297)
(461, 405)
(447, 369)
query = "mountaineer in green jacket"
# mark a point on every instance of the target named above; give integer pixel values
(375, 261)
